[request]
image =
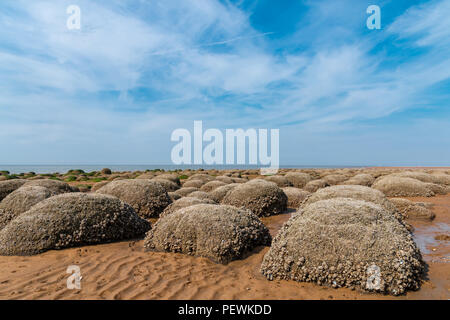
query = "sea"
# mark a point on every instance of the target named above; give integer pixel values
(17, 169)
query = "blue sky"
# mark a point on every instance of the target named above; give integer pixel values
(112, 92)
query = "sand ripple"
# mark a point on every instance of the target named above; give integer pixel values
(124, 271)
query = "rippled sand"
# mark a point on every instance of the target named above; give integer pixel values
(124, 271)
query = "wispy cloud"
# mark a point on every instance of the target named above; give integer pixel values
(425, 25)
(139, 69)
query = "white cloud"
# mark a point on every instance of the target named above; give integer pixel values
(427, 24)
(200, 60)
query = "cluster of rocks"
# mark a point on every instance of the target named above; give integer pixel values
(345, 227)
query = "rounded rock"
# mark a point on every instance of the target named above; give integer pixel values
(147, 197)
(261, 197)
(184, 203)
(212, 185)
(298, 179)
(354, 237)
(8, 186)
(220, 233)
(394, 186)
(69, 220)
(21, 200)
(55, 186)
(295, 196)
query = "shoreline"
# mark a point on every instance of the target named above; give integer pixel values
(61, 169)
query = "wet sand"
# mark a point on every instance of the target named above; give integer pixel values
(124, 271)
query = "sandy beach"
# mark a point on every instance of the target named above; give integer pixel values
(123, 270)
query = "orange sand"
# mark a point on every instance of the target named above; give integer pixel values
(124, 271)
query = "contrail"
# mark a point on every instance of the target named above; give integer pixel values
(235, 39)
(211, 44)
